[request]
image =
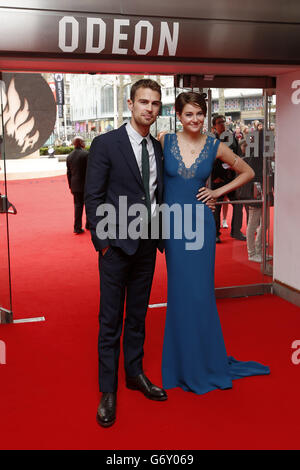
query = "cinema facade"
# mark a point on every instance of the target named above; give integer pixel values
(203, 45)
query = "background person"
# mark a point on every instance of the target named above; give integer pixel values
(76, 172)
(254, 209)
(222, 174)
(224, 213)
(238, 133)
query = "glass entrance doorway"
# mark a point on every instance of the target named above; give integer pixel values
(88, 105)
(5, 209)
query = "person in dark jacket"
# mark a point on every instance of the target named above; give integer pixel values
(254, 225)
(76, 171)
(221, 175)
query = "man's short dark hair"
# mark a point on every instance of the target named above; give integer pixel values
(144, 83)
(218, 116)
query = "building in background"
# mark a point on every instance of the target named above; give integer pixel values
(95, 104)
(242, 105)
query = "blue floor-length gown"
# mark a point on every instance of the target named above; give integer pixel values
(194, 354)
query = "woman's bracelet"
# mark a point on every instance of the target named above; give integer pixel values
(235, 160)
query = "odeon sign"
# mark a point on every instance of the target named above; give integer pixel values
(96, 36)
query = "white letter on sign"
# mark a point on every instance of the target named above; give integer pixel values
(119, 37)
(137, 37)
(90, 35)
(295, 95)
(165, 37)
(74, 34)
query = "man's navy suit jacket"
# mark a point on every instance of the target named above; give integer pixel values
(112, 172)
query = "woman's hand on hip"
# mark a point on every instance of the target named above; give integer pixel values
(207, 196)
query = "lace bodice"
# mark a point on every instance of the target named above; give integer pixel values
(188, 173)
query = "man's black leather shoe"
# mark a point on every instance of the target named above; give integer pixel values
(106, 414)
(79, 231)
(143, 384)
(239, 236)
(218, 240)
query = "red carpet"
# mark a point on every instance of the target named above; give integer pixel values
(49, 392)
(232, 265)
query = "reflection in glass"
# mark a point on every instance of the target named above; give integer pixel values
(5, 285)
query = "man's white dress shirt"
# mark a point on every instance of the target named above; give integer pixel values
(136, 143)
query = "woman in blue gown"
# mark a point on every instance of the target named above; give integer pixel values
(194, 354)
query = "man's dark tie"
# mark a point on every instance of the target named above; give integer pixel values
(146, 175)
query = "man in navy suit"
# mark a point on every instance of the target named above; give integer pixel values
(125, 162)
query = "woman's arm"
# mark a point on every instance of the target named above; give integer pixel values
(245, 174)
(161, 138)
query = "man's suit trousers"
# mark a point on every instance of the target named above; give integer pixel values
(123, 276)
(78, 210)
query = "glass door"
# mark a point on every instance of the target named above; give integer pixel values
(268, 181)
(5, 209)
